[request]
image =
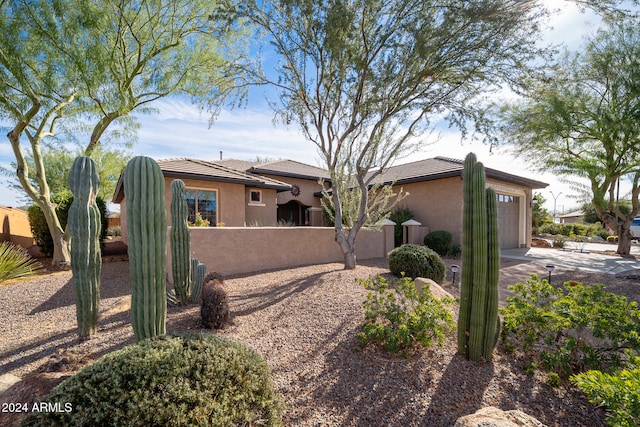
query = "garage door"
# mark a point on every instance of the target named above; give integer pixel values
(509, 220)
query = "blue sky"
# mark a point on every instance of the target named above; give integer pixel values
(180, 129)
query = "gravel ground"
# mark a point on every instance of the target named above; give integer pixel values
(304, 322)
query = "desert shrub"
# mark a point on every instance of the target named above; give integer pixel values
(612, 238)
(572, 328)
(603, 233)
(551, 228)
(16, 263)
(114, 231)
(619, 393)
(439, 240)
(417, 261)
(196, 379)
(40, 229)
(398, 317)
(214, 310)
(399, 215)
(454, 251)
(559, 242)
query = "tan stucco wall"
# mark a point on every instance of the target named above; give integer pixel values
(307, 188)
(438, 205)
(231, 200)
(261, 214)
(15, 227)
(231, 250)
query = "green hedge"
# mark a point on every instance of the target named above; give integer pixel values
(417, 261)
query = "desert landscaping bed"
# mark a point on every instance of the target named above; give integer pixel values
(304, 322)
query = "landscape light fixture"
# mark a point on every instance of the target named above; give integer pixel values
(549, 268)
(454, 270)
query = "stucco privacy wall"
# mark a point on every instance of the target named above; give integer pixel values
(237, 250)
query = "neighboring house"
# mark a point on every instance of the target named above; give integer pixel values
(241, 193)
(571, 217)
(16, 227)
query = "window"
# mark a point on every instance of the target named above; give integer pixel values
(255, 197)
(506, 199)
(204, 202)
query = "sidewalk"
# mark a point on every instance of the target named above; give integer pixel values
(572, 257)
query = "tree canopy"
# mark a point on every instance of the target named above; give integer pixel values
(585, 121)
(364, 78)
(83, 67)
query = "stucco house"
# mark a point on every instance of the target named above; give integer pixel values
(239, 193)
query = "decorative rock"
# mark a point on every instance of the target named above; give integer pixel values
(435, 290)
(494, 417)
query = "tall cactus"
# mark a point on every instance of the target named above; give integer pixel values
(146, 228)
(198, 271)
(83, 226)
(180, 243)
(478, 321)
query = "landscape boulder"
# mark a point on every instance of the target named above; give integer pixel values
(494, 417)
(435, 290)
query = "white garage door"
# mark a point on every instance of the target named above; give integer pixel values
(509, 220)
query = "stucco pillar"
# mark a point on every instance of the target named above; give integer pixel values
(410, 232)
(315, 217)
(388, 235)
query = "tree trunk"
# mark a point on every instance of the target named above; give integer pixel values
(624, 240)
(348, 247)
(61, 254)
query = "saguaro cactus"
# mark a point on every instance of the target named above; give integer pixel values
(180, 243)
(478, 321)
(83, 226)
(146, 228)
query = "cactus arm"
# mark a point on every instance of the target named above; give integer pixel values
(198, 279)
(84, 228)
(146, 226)
(492, 321)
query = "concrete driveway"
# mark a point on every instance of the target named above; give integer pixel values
(587, 257)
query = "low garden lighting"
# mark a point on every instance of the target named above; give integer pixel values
(549, 268)
(454, 270)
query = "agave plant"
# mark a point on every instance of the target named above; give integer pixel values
(15, 262)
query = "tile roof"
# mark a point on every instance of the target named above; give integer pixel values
(213, 171)
(184, 168)
(444, 167)
(292, 169)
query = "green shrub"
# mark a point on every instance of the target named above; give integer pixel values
(196, 379)
(417, 261)
(454, 251)
(573, 328)
(439, 240)
(40, 229)
(114, 231)
(15, 262)
(559, 242)
(550, 228)
(398, 317)
(399, 215)
(619, 393)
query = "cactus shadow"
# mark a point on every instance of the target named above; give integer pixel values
(114, 282)
(462, 379)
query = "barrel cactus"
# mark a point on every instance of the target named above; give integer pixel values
(83, 226)
(478, 321)
(146, 228)
(180, 243)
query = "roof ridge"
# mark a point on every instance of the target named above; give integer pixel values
(449, 159)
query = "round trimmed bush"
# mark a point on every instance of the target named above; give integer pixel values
(417, 261)
(439, 240)
(194, 379)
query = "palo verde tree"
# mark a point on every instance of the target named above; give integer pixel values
(585, 121)
(365, 78)
(87, 66)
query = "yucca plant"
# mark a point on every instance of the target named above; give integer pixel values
(16, 263)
